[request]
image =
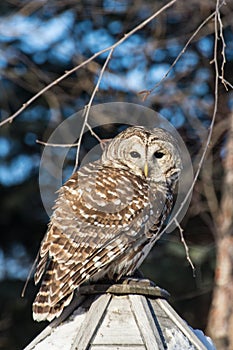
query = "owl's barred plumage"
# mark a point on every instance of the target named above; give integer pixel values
(107, 216)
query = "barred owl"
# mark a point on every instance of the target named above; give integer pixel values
(107, 216)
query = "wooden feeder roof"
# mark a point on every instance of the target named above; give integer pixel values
(132, 316)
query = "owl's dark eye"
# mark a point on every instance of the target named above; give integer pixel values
(158, 155)
(135, 154)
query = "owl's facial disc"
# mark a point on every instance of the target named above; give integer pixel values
(149, 154)
(151, 160)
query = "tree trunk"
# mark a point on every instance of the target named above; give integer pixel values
(220, 322)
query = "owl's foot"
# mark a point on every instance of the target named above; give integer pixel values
(135, 280)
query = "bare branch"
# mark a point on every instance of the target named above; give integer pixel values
(186, 248)
(205, 149)
(87, 108)
(64, 145)
(93, 133)
(225, 82)
(67, 73)
(223, 48)
(148, 92)
(102, 142)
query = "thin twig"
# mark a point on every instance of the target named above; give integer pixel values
(57, 144)
(67, 73)
(210, 128)
(223, 48)
(29, 275)
(87, 108)
(102, 142)
(148, 92)
(93, 133)
(225, 82)
(185, 247)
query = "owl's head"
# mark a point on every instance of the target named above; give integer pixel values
(152, 154)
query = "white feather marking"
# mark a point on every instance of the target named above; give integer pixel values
(96, 258)
(97, 264)
(110, 254)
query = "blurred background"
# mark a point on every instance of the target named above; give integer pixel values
(39, 41)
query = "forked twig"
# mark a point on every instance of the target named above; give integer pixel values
(185, 247)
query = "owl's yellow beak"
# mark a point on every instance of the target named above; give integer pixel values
(146, 169)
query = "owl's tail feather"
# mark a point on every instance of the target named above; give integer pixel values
(45, 307)
(42, 311)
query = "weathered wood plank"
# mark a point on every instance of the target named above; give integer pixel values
(118, 347)
(142, 287)
(181, 324)
(62, 337)
(119, 325)
(146, 323)
(55, 323)
(91, 322)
